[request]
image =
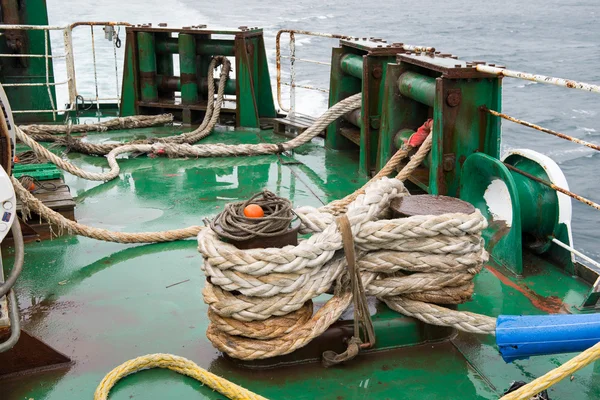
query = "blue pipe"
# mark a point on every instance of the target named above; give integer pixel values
(520, 337)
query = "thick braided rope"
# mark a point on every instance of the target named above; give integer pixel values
(178, 364)
(248, 286)
(436, 315)
(187, 150)
(136, 121)
(30, 203)
(339, 206)
(102, 234)
(556, 375)
(225, 150)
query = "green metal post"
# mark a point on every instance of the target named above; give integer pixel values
(164, 64)
(341, 86)
(417, 87)
(130, 87)
(147, 65)
(188, 68)
(352, 65)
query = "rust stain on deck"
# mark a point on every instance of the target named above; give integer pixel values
(550, 304)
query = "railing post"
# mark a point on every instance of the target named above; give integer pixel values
(70, 64)
(292, 74)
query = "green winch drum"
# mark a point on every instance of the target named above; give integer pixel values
(522, 213)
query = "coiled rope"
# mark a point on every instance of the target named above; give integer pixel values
(263, 285)
(235, 225)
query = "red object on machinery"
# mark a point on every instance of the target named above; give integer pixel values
(417, 138)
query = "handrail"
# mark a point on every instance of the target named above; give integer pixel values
(292, 57)
(553, 186)
(69, 62)
(542, 129)
(538, 78)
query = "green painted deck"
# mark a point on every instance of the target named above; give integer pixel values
(104, 303)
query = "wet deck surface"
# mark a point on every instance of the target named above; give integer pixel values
(103, 303)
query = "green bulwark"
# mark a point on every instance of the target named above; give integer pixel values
(20, 70)
(151, 87)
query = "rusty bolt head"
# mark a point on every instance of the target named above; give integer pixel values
(187, 27)
(457, 65)
(379, 45)
(377, 72)
(375, 122)
(453, 99)
(242, 28)
(448, 163)
(162, 24)
(250, 48)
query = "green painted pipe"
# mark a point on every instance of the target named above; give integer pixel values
(188, 68)
(354, 117)
(401, 137)
(212, 47)
(230, 86)
(147, 63)
(173, 83)
(352, 65)
(417, 87)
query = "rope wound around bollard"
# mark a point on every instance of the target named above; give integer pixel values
(260, 299)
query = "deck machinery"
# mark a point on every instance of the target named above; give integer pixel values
(401, 88)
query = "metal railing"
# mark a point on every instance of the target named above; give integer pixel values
(111, 32)
(46, 29)
(71, 82)
(292, 57)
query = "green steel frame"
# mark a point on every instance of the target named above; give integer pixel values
(449, 91)
(149, 84)
(359, 66)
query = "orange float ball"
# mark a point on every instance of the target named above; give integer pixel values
(254, 211)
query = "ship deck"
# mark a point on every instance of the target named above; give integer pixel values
(104, 303)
